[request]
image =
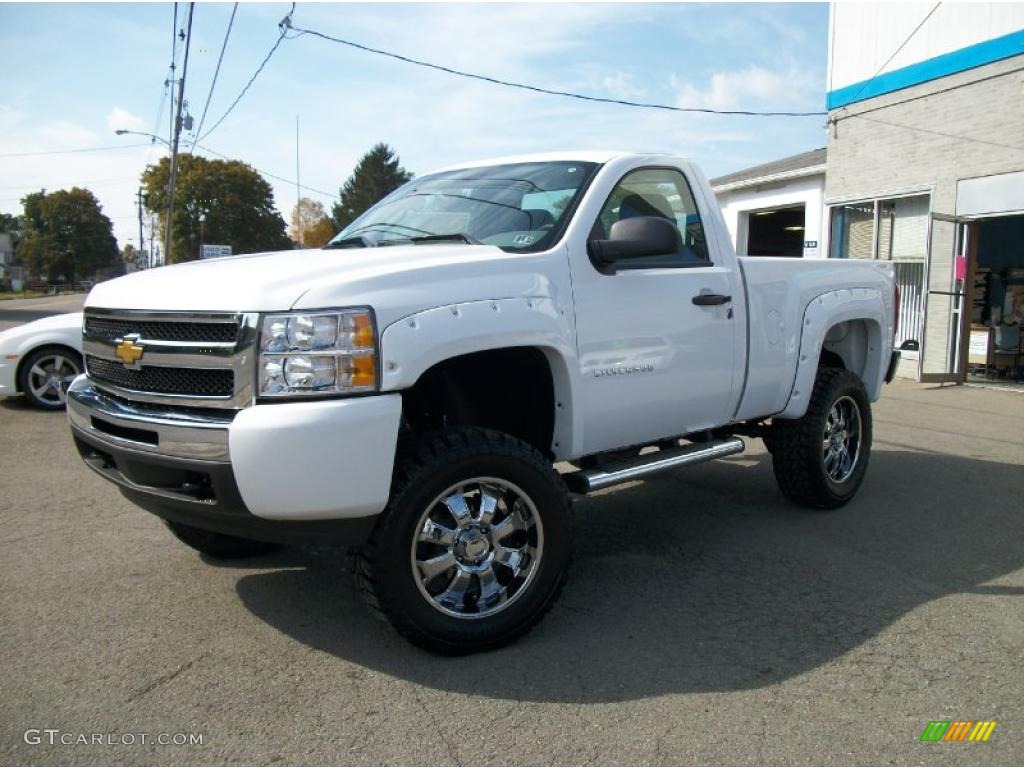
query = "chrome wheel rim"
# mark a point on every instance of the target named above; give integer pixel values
(476, 548)
(50, 376)
(842, 438)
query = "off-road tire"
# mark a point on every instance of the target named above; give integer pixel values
(219, 545)
(796, 444)
(425, 467)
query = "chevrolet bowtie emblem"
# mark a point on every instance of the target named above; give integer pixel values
(128, 352)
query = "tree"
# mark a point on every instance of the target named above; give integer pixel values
(225, 202)
(378, 173)
(9, 224)
(65, 235)
(311, 227)
(321, 234)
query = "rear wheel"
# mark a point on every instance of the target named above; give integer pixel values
(474, 545)
(219, 545)
(820, 459)
(46, 374)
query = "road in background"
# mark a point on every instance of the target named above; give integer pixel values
(706, 621)
(16, 311)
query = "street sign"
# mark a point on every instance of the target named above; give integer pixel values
(216, 251)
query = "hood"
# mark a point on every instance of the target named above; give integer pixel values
(69, 320)
(396, 278)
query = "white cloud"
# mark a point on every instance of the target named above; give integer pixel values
(753, 87)
(118, 119)
(63, 134)
(621, 86)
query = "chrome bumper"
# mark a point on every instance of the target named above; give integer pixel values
(148, 428)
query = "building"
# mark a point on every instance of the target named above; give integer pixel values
(777, 209)
(926, 169)
(8, 272)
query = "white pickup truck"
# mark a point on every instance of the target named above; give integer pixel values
(409, 387)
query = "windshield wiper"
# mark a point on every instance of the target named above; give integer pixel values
(379, 224)
(358, 241)
(460, 236)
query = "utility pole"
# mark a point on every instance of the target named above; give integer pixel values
(177, 135)
(298, 185)
(142, 242)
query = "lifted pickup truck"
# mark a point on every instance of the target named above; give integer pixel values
(409, 387)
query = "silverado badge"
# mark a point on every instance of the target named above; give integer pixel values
(128, 351)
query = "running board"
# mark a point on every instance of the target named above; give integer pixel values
(587, 480)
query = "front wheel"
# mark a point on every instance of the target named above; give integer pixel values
(820, 459)
(46, 375)
(474, 545)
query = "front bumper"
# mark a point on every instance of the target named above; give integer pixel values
(8, 369)
(276, 472)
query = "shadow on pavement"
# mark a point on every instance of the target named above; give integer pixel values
(704, 581)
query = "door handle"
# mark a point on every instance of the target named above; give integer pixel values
(711, 299)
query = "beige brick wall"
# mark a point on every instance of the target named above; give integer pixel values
(869, 156)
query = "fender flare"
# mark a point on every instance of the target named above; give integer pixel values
(820, 316)
(414, 344)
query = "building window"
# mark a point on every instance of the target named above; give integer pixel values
(853, 231)
(891, 229)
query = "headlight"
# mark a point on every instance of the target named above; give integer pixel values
(315, 353)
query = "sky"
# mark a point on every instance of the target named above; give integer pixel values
(72, 74)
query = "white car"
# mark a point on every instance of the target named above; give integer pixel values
(40, 359)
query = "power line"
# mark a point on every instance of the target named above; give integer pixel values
(216, 72)
(283, 26)
(957, 136)
(71, 151)
(896, 52)
(49, 184)
(547, 91)
(330, 195)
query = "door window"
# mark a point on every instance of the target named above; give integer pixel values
(660, 192)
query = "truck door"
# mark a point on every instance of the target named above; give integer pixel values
(656, 341)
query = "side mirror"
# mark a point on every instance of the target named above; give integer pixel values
(637, 238)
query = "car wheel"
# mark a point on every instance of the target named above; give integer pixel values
(474, 545)
(46, 374)
(219, 545)
(820, 459)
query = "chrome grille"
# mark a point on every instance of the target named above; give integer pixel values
(157, 330)
(197, 359)
(191, 382)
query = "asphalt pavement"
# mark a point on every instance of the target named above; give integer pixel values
(15, 311)
(706, 621)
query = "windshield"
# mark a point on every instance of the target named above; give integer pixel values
(517, 207)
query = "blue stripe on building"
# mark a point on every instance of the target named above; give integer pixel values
(972, 56)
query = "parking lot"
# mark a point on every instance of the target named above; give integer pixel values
(706, 621)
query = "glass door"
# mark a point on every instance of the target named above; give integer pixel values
(944, 304)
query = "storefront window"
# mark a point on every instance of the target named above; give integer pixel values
(853, 231)
(893, 229)
(903, 228)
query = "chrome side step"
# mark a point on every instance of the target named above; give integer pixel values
(587, 480)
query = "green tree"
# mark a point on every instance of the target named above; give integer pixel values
(225, 202)
(9, 224)
(65, 235)
(311, 226)
(378, 173)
